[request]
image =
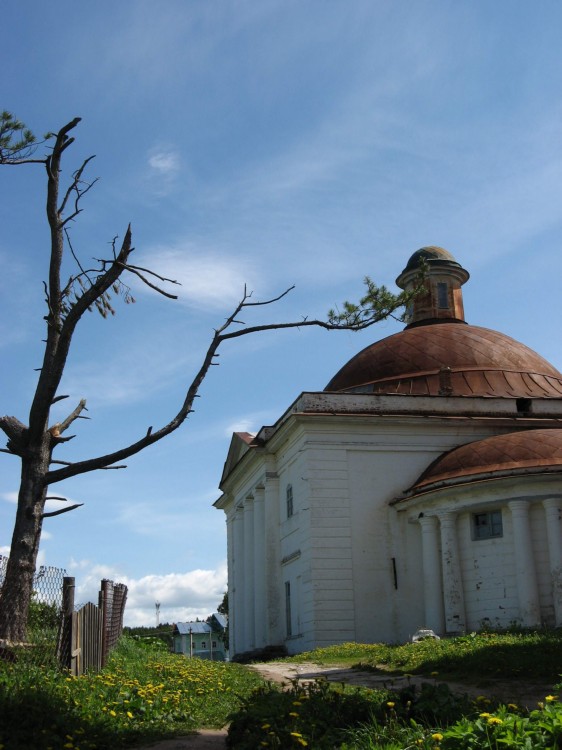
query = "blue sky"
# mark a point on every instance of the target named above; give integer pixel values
(270, 143)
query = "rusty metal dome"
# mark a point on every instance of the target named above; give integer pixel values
(431, 254)
(449, 359)
(528, 452)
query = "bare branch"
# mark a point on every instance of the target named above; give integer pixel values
(71, 463)
(134, 270)
(58, 398)
(17, 434)
(72, 416)
(74, 187)
(268, 301)
(61, 511)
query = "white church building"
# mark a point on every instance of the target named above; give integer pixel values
(421, 489)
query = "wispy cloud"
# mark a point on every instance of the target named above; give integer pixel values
(209, 279)
(164, 168)
(164, 161)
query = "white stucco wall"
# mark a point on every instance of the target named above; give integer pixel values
(353, 559)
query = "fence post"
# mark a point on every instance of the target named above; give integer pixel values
(65, 646)
(104, 604)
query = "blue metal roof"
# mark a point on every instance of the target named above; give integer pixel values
(221, 619)
(185, 628)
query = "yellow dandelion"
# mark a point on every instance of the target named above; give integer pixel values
(485, 715)
(512, 706)
(550, 698)
(494, 720)
(265, 726)
(129, 714)
(296, 734)
(112, 713)
(390, 704)
(293, 714)
(437, 736)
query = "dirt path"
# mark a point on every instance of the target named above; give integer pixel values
(523, 694)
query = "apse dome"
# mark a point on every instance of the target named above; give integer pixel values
(536, 451)
(438, 353)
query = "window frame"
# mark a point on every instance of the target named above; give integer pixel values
(491, 528)
(443, 295)
(289, 501)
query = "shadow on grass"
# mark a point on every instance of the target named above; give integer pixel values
(536, 656)
(38, 719)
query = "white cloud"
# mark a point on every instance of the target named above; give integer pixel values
(249, 422)
(182, 596)
(10, 497)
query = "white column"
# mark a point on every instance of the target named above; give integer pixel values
(259, 567)
(238, 599)
(432, 585)
(249, 625)
(553, 512)
(529, 607)
(275, 623)
(230, 569)
(453, 593)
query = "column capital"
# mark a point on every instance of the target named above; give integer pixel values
(519, 506)
(259, 493)
(552, 503)
(427, 522)
(447, 517)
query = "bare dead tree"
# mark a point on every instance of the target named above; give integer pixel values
(33, 443)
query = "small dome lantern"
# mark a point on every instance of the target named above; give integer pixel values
(440, 300)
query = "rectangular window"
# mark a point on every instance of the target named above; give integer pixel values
(289, 494)
(288, 608)
(214, 644)
(487, 525)
(442, 295)
(203, 644)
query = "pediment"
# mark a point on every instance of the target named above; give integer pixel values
(240, 444)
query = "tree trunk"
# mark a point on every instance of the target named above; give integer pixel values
(18, 583)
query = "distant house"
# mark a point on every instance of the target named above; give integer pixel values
(204, 640)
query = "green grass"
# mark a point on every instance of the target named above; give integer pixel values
(147, 694)
(429, 717)
(143, 694)
(533, 655)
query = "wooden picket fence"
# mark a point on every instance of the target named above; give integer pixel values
(87, 636)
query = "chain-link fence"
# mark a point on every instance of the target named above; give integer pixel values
(44, 618)
(77, 638)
